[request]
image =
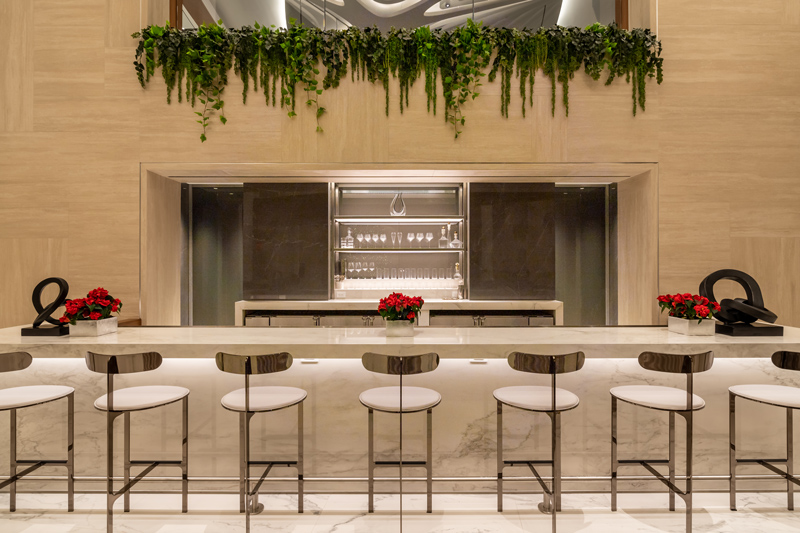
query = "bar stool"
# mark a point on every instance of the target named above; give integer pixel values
(15, 398)
(539, 399)
(124, 402)
(779, 396)
(251, 400)
(400, 400)
(672, 400)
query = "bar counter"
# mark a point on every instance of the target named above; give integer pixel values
(327, 365)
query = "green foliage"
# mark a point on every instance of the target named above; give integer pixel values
(198, 62)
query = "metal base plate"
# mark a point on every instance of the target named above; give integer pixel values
(750, 330)
(46, 331)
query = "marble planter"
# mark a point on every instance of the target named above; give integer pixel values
(93, 328)
(399, 328)
(685, 326)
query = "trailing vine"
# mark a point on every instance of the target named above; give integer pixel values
(278, 60)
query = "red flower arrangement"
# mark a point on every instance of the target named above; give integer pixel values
(398, 306)
(689, 306)
(97, 305)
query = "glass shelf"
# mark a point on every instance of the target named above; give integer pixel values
(395, 250)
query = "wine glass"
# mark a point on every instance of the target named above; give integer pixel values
(394, 238)
(383, 240)
(410, 238)
(429, 238)
(360, 239)
(368, 238)
(420, 236)
(371, 268)
(375, 239)
(358, 269)
(350, 268)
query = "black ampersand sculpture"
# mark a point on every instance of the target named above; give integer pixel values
(45, 312)
(738, 315)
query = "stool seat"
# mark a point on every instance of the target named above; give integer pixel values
(387, 399)
(779, 395)
(140, 398)
(264, 398)
(657, 397)
(16, 397)
(536, 398)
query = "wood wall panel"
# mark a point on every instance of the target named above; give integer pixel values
(723, 128)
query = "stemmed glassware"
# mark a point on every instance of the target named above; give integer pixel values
(429, 238)
(420, 236)
(360, 238)
(371, 269)
(394, 238)
(375, 239)
(358, 269)
(410, 238)
(368, 238)
(350, 269)
(383, 240)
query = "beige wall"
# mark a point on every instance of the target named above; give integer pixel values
(75, 125)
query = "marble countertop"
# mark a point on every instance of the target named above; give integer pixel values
(465, 343)
(371, 305)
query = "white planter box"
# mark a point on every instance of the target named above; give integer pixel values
(399, 328)
(93, 328)
(691, 327)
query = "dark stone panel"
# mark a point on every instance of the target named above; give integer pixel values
(512, 241)
(286, 241)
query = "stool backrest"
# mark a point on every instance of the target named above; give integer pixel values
(9, 362)
(786, 360)
(400, 365)
(676, 363)
(254, 364)
(546, 364)
(129, 363)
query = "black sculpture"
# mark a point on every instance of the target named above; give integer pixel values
(738, 315)
(45, 313)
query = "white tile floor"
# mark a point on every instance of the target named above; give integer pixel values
(758, 513)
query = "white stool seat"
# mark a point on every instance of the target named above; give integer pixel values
(656, 397)
(388, 399)
(779, 395)
(16, 397)
(536, 398)
(264, 398)
(139, 398)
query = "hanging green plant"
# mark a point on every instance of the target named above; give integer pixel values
(198, 61)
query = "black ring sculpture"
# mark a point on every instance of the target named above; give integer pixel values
(745, 310)
(45, 313)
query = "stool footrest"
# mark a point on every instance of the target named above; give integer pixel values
(766, 464)
(640, 461)
(25, 472)
(759, 461)
(526, 463)
(398, 463)
(273, 463)
(659, 476)
(43, 461)
(137, 479)
(158, 463)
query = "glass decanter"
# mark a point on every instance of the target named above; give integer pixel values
(459, 279)
(349, 239)
(455, 243)
(444, 242)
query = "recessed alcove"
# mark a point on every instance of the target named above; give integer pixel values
(631, 271)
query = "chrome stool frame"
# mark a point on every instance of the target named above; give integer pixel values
(786, 361)
(11, 362)
(248, 365)
(539, 364)
(688, 364)
(111, 365)
(400, 365)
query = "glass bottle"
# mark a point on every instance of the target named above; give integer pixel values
(349, 239)
(444, 242)
(459, 279)
(455, 243)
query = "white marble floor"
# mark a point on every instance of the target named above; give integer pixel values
(758, 513)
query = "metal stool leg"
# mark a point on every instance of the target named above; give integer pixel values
(552, 504)
(12, 489)
(429, 461)
(557, 459)
(672, 459)
(248, 504)
(110, 417)
(185, 456)
(689, 445)
(300, 457)
(499, 457)
(614, 463)
(732, 447)
(71, 452)
(789, 459)
(371, 467)
(127, 459)
(242, 464)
